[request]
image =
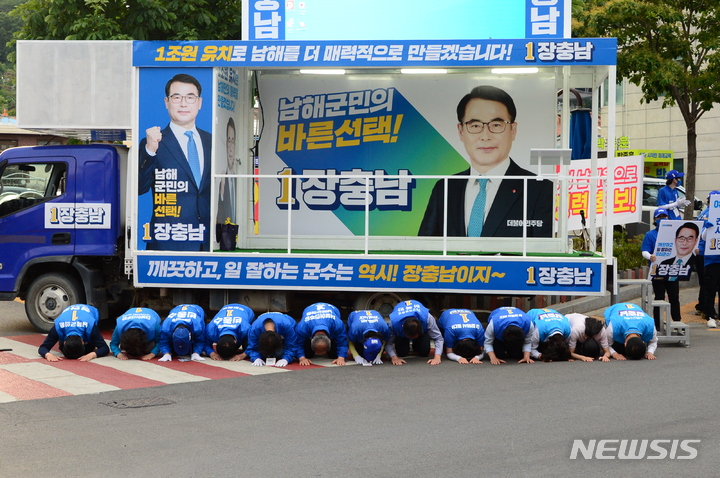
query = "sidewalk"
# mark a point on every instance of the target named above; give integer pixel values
(595, 306)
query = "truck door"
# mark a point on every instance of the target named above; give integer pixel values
(35, 194)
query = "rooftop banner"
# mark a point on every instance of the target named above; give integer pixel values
(378, 53)
(295, 20)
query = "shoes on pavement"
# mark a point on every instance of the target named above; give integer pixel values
(711, 323)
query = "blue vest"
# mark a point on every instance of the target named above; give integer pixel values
(460, 324)
(504, 317)
(405, 310)
(549, 322)
(361, 322)
(629, 319)
(77, 319)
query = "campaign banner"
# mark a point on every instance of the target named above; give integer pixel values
(349, 135)
(675, 249)
(230, 93)
(402, 19)
(174, 173)
(378, 53)
(505, 275)
(626, 198)
(712, 236)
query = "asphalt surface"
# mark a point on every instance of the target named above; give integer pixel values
(414, 420)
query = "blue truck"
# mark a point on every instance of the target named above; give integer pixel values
(325, 181)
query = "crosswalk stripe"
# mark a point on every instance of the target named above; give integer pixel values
(58, 378)
(26, 389)
(151, 370)
(19, 348)
(7, 398)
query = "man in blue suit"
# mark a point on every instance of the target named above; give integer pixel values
(175, 165)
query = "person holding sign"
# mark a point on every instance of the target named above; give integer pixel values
(669, 197)
(711, 278)
(660, 286)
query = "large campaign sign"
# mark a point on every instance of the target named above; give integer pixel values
(400, 19)
(348, 136)
(624, 206)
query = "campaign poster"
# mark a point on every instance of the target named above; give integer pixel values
(378, 134)
(174, 167)
(229, 159)
(676, 249)
(626, 204)
(712, 236)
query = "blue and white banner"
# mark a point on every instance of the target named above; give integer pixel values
(437, 274)
(384, 53)
(295, 20)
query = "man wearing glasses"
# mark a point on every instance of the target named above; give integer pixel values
(679, 267)
(175, 164)
(489, 207)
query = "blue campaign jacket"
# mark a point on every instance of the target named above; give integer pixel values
(405, 310)
(628, 319)
(361, 322)
(189, 315)
(233, 319)
(77, 319)
(460, 324)
(322, 317)
(137, 318)
(284, 325)
(549, 322)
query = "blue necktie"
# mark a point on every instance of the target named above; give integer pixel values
(679, 264)
(477, 216)
(193, 158)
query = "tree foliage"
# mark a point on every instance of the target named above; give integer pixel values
(129, 20)
(669, 48)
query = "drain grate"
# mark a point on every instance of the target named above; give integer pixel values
(140, 403)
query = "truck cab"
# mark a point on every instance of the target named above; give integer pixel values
(59, 223)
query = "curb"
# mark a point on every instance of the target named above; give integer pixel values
(625, 294)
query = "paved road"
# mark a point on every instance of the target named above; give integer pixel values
(415, 420)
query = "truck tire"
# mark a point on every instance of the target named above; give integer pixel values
(383, 302)
(48, 296)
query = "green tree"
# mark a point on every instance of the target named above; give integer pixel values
(129, 19)
(667, 47)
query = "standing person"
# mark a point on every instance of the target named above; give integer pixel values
(321, 332)
(136, 334)
(272, 335)
(508, 336)
(367, 332)
(227, 332)
(588, 337)
(660, 285)
(464, 335)
(182, 333)
(228, 186)
(631, 333)
(711, 281)
(410, 321)
(549, 339)
(669, 197)
(179, 154)
(76, 328)
(700, 262)
(489, 207)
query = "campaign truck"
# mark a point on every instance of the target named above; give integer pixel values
(274, 173)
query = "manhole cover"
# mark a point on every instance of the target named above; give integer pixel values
(140, 403)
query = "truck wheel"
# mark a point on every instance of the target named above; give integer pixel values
(48, 296)
(383, 302)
